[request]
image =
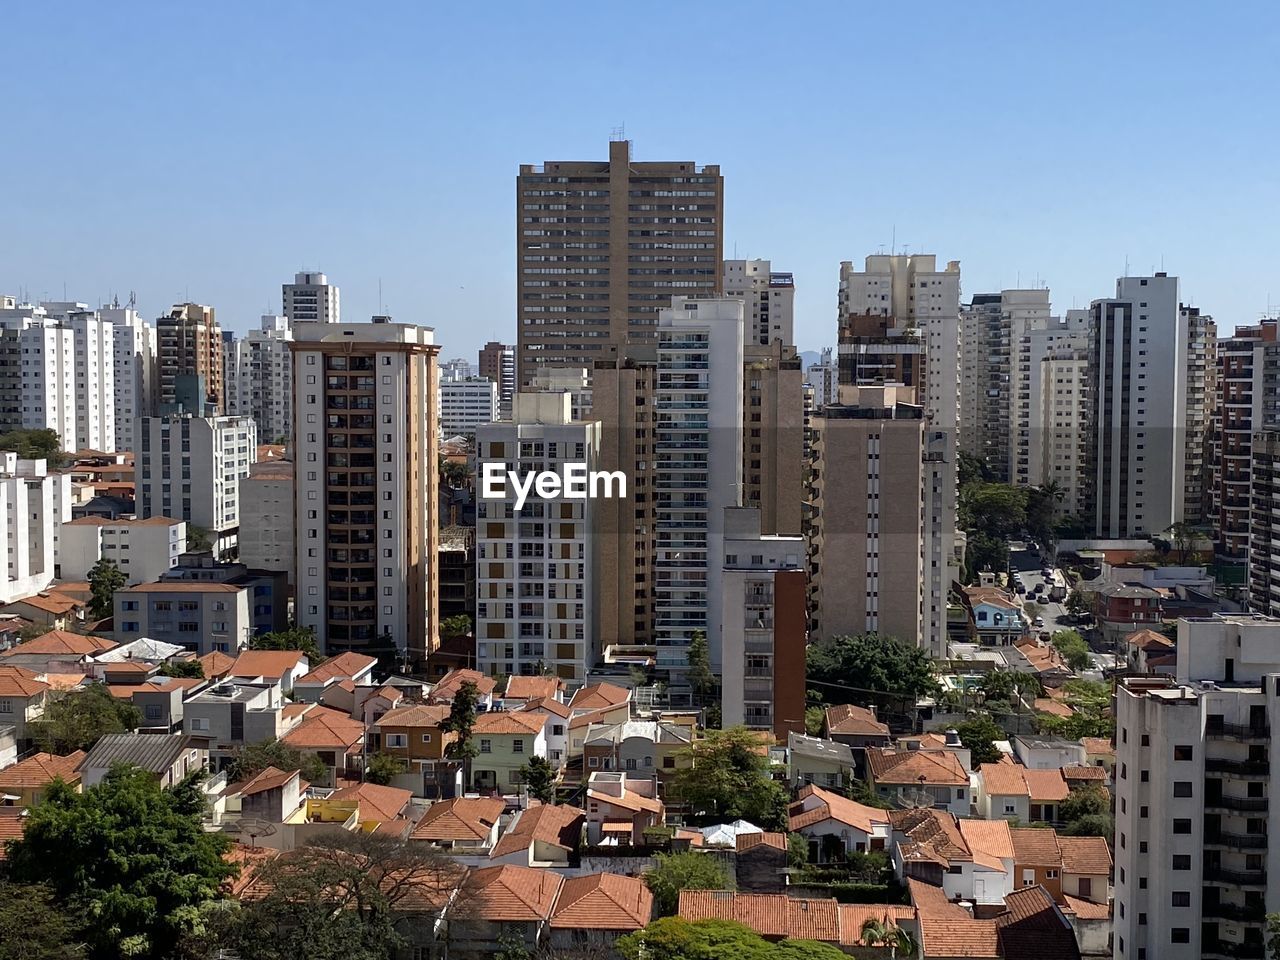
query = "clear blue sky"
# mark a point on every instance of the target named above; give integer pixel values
(210, 150)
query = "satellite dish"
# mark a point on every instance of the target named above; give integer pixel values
(254, 827)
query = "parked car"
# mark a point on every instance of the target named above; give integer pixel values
(1038, 621)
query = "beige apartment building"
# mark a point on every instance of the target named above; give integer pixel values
(1064, 409)
(601, 246)
(190, 361)
(773, 435)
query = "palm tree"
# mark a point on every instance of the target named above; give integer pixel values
(885, 933)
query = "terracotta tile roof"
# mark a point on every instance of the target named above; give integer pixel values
(452, 682)
(992, 595)
(327, 730)
(1098, 746)
(1037, 847)
(1089, 772)
(13, 820)
(415, 715)
(129, 667)
(813, 920)
(529, 688)
(848, 719)
(499, 723)
(341, 667)
(1149, 640)
(593, 716)
(250, 860)
(599, 695)
(1085, 909)
(988, 841)
(61, 643)
(695, 837)
(1003, 780)
(64, 681)
(603, 901)
(547, 705)
(512, 894)
(183, 586)
(291, 710)
(932, 902)
(936, 767)
(930, 836)
(630, 800)
(1085, 855)
(854, 916)
(560, 825)
(832, 806)
(50, 602)
(388, 692)
(967, 938)
(749, 841)
(376, 801)
(765, 913)
(1046, 786)
(40, 769)
(20, 687)
(20, 673)
(271, 664)
(216, 665)
(1032, 926)
(270, 778)
(1053, 707)
(462, 818)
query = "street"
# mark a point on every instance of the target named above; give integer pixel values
(1028, 564)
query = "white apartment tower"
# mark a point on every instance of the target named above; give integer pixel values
(311, 297)
(699, 405)
(1139, 363)
(465, 405)
(189, 468)
(29, 516)
(535, 598)
(1038, 339)
(364, 439)
(824, 377)
(1062, 420)
(768, 297)
(136, 375)
(260, 378)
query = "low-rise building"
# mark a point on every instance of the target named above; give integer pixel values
(506, 741)
(143, 550)
(22, 700)
(335, 738)
(507, 904)
(203, 617)
(620, 809)
(995, 616)
(970, 859)
(1122, 608)
(544, 835)
(1009, 791)
(814, 760)
(836, 826)
(591, 912)
(356, 667)
(462, 826)
(914, 777)
(641, 748)
(232, 714)
(57, 651)
(168, 758)
(25, 783)
(281, 667)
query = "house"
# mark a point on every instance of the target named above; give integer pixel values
(465, 826)
(760, 861)
(1100, 752)
(597, 696)
(1086, 867)
(334, 737)
(379, 805)
(995, 616)
(216, 665)
(1038, 859)
(1151, 652)
(281, 667)
(777, 916)
(507, 904)
(835, 825)
(355, 667)
(544, 835)
(56, 652)
(505, 742)
(1029, 927)
(1122, 608)
(855, 727)
(451, 683)
(51, 609)
(252, 808)
(227, 716)
(907, 777)
(621, 808)
(581, 722)
(367, 703)
(1047, 753)
(1079, 777)
(968, 859)
(1012, 792)
(412, 733)
(520, 690)
(160, 700)
(948, 741)
(1029, 655)
(814, 760)
(557, 716)
(643, 748)
(593, 911)
(1034, 926)
(170, 758)
(22, 700)
(1092, 925)
(24, 784)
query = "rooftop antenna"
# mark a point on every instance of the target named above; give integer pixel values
(380, 310)
(893, 243)
(619, 132)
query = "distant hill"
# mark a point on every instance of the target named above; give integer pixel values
(809, 357)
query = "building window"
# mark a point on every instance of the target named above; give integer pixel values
(1182, 752)
(517, 746)
(1182, 788)
(1180, 935)
(486, 746)
(1182, 898)
(1181, 861)
(1181, 826)
(397, 740)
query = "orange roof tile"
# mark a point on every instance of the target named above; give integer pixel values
(269, 778)
(529, 688)
(930, 836)
(599, 695)
(854, 916)
(957, 938)
(183, 586)
(1004, 780)
(1084, 772)
(1032, 926)
(749, 841)
(216, 665)
(415, 715)
(765, 913)
(1052, 707)
(592, 716)
(813, 920)
(344, 666)
(1046, 786)
(1090, 856)
(603, 901)
(13, 820)
(1148, 640)
(461, 818)
(503, 722)
(21, 673)
(988, 841)
(849, 720)
(1098, 746)
(512, 894)
(932, 902)
(695, 838)
(323, 729)
(50, 602)
(61, 643)
(21, 688)
(1037, 847)
(1085, 909)
(40, 769)
(376, 801)
(547, 705)
(915, 766)
(832, 807)
(560, 825)
(452, 682)
(271, 664)
(630, 800)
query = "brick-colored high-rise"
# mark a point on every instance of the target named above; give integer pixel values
(190, 361)
(602, 246)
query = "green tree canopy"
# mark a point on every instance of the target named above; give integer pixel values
(134, 860)
(182, 668)
(996, 509)
(674, 872)
(105, 578)
(673, 938)
(702, 682)
(871, 662)
(41, 444)
(462, 717)
(978, 734)
(458, 625)
(35, 927)
(730, 778)
(1091, 702)
(539, 779)
(383, 767)
(294, 638)
(77, 719)
(251, 759)
(1073, 648)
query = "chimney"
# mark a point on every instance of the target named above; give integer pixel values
(953, 738)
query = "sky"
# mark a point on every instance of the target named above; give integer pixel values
(210, 151)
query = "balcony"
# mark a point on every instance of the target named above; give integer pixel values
(1239, 768)
(1229, 950)
(1235, 878)
(1234, 911)
(1236, 841)
(1236, 731)
(1242, 804)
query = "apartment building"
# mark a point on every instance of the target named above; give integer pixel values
(824, 377)
(768, 297)
(1063, 425)
(33, 504)
(365, 484)
(143, 550)
(1139, 362)
(535, 597)
(189, 350)
(202, 616)
(459, 368)
(311, 297)
(602, 246)
(763, 626)
(497, 362)
(189, 468)
(773, 435)
(267, 515)
(465, 405)
(1264, 542)
(259, 372)
(136, 374)
(575, 381)
(1037, 340)
(1193, 762)
(1200, 401)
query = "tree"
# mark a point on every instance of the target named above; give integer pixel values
(674, 872)
(1091, 702)
(31, 631)
(995, 509)
(673, 938)
(539, 779)
(1073, 648)
(182, 668)
(1084, 802)
(971, 470)
(105, 579)
(339, 898)
(1273, 936)
(1094, 825)
(198, 538)
(77, 719)
(978, 734)
(873, 663)
(34, 927)
(382, 768)
(797, 850)
(729, 777)
(815, 721)
(133, 857)
(984, 552)
(251, 759)
(885, 933)
(454, 474)
(456, 626)
(43, 444)
(702, 682)
(293, 638)
(462, 717)
(1076, 603)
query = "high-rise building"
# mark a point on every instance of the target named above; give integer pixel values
(267, 514)
(1199, 400)
(763, 626)
(769, 298)
(824, 377)
(1062, 425)
(535, 598)
(311, 297)
(457, 369)
(189, 349)
(773, 436)
(1264, 542)
(31, 509)
(364, 439)
(465, 405)
(1138, 362)
(260, 378)
(1243, 360)
(1192, 777)
(602, 246)
(135, 371)
(497, 362)
(575, 381)
(1037, 341)
(189, 468)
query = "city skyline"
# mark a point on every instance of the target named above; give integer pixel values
(364, 172)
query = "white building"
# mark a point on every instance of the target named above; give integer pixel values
(143, 550)
(466, 405)
(1063, 423)
(311, 297)
(29, 516)
(267, 517)
(200, 615)
(824, 377)
(136, 374)
(698, 451)
(259, 374)
(535, 596)
(768, 298)
(1192, 781)
(1028, 349)
(189, 468)
(457, 369)
(1139, 361)
(575, 381)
